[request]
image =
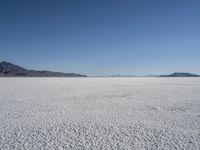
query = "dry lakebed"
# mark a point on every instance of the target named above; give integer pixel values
(100, 113)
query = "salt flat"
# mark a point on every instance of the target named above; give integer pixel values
(100, 113)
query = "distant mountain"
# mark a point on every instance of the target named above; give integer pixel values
(11, 70)
(119, 75)
(180, 74)
(152, 76)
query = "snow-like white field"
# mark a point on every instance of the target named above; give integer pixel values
(100, 113)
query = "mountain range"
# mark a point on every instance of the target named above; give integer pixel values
(180, 74)
(175, 74)
(8, 69)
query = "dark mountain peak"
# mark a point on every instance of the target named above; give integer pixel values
(9, 69)
(5, 63)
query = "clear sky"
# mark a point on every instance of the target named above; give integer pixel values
(102, 37)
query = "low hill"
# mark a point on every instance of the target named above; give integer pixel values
(11, 70)
(180, 74)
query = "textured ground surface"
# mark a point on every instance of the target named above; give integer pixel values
(99, 113)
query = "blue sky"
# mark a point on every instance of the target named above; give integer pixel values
(102, 37)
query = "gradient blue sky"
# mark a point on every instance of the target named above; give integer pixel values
(102, 37)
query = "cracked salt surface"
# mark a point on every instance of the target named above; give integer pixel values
(99, 113)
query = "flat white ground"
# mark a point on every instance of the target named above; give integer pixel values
(100, 113)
